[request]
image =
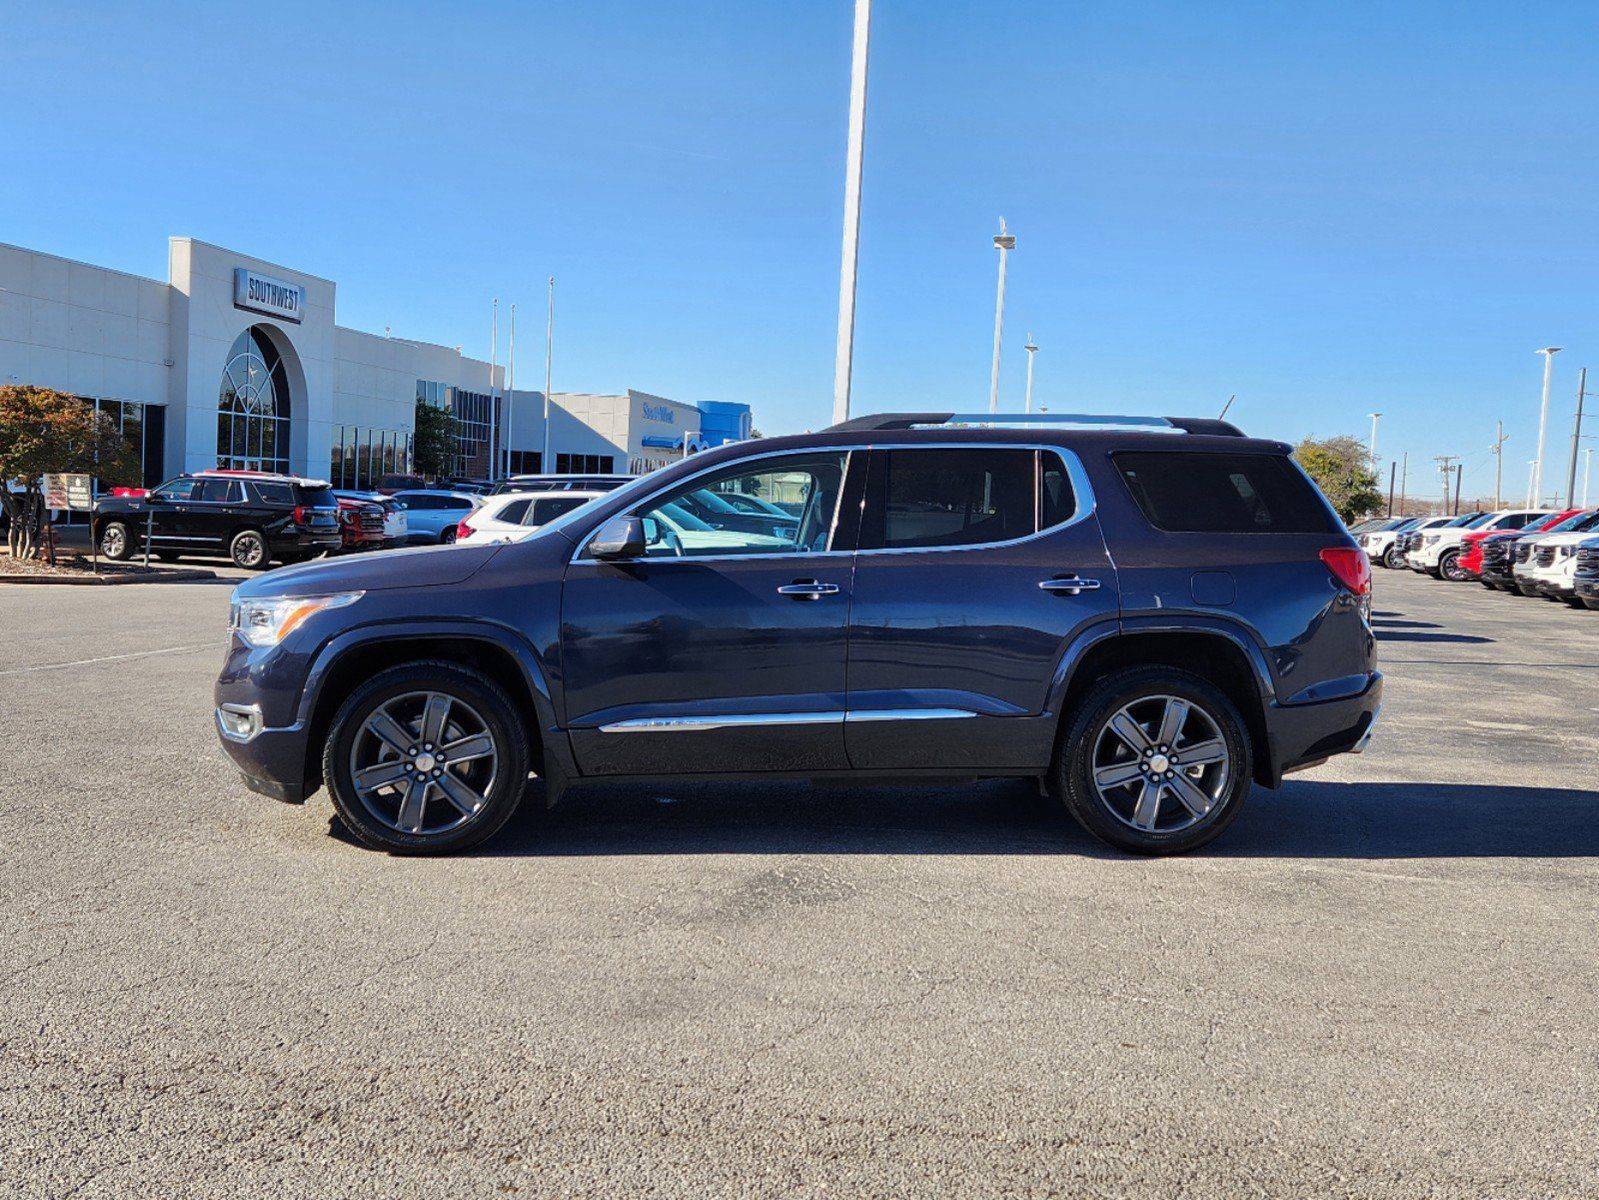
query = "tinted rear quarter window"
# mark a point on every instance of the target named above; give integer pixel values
(275, 493)
(1201, 492)
(512, 512)
(542, 512)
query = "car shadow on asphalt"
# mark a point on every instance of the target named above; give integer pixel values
(1305, 819)
(1412, 635)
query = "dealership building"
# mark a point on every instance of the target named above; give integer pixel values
(235, 362)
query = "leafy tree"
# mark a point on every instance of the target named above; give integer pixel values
(1342, 470)
(434, 442)
(47, 432)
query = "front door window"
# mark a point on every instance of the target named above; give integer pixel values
(781, 507)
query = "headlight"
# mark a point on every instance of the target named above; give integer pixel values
(1431, 538)
(267, 621)
(1565, 551)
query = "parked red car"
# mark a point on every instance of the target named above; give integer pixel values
(1471, 557)
(360, 524)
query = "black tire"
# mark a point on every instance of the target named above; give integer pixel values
(1574, 601)
(447, 536)
(1435, 572)
(1390, 558)
(1085, 727)
(1527, 591)
(116, 541)
(248, 550)
(1588, 603)
(1492, 587)
(502, 792)
(1449, 567)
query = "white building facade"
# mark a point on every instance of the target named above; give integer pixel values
(238, 362)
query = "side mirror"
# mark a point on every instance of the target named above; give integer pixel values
(618, 538)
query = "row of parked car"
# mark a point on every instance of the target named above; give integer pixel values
(1526, 551)
(259, 518)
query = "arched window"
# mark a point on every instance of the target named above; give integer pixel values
(253, 406)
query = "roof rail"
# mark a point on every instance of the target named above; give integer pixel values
(891, 421)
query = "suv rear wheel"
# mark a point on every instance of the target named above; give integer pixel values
(1391, 558)
(426, 758)
(115, 543)
(1155, 760)
(248, 550)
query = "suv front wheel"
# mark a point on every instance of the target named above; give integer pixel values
(1155, 760)
(426, 758)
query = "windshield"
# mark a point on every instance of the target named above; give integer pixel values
(1576, 523)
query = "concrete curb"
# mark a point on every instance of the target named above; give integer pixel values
(91, 580)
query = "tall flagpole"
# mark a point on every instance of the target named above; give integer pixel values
(494, 359)
(549, 353)
(510, 398)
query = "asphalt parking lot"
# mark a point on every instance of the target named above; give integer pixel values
(1380, 982)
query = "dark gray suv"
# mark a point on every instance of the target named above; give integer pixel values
(1148, 615)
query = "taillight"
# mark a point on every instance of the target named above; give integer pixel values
(299, 514)
(463, 530)
(1350, 567)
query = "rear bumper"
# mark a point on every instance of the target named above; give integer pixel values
(1302, 735)
(305, 540)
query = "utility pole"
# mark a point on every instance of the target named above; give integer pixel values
(1003, 242)
(1587, 472)
(1548, 353)
(1576, 436)
(1459, 473)
(549, 354)
(1393, 470)
(843, 362)
(1031, 350)
(1446, 467)
(1499, 462)
(1404, 479)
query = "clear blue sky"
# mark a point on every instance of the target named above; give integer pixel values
(1327, 209)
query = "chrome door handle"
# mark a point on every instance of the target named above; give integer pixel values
(808, 589)
(1071, 585)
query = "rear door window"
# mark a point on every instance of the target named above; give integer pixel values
(1199, 492)
(513, 512)
(546, 509)
(218, 491)
(950, 497)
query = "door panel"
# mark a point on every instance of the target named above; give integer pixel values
(719, 650)
(968, 630)
(673, 639)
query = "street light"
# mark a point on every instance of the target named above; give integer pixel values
(1374, 417)
(1003, 242)
(844, 361)
(1548, 353)
(1031, 350)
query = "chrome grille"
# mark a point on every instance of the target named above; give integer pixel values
(1546, 556)
(1588, 560)
(1523, 551)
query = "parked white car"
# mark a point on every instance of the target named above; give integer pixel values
(1440, 549)
(511, 516)
(1387, 547)
(1549, 566)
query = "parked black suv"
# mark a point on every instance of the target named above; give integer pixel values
(252, 517)
(1146, 614)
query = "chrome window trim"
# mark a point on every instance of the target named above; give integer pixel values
(1082, 493)
(692, 724)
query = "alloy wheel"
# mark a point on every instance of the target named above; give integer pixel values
(114, 542)
(1160, 764)
(423, 763)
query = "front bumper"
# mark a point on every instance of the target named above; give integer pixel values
(272, 761)
(1587, 587)
(1304, 735)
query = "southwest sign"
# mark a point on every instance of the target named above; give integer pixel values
(262, 294)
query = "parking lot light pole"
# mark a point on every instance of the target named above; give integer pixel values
(1374, 417)
(1031, 350)
(1548, 353)
(844, 360)
(1003, 242)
